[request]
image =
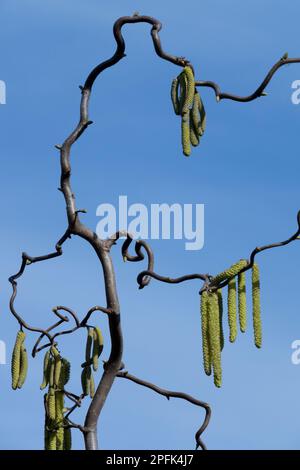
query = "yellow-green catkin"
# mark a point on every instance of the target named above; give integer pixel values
(193, 136)
(220, 301)
(51, 372)
(231, 305)
(89, 342)
(195, 115)
(46, 370)
(57, 370)
(67, 438)
(231, 272)
(187, 90)
(59, 407)
(51, 405)
(185, 135)
(97, 346)
(46, 438)
(64, 374)
(190, 88)
(23, 366)
(242, 302)
(92, 385)
(16, 359)
(205, 333)
(256, 306)
(174, 96)
(202, 115)
(51, 440)
(85, 380)
(214, 337)
(59, 420)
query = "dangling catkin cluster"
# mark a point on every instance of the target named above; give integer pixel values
(187, 103)
(93, 349)
(19, 362)
(211, 335)
(212, 314)
(56, 374)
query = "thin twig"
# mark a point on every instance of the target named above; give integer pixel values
(170, 394)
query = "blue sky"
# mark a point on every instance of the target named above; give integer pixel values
(245, 171)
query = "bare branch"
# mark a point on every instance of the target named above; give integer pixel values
(170, 394)
(169, 280)
(284, 60)
(210, 285)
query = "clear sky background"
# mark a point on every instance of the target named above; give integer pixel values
(246, 172)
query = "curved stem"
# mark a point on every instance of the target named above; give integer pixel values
(169, 394)
(284, 60)
(77, 228)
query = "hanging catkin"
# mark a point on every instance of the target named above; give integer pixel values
(174, 96)
(202, 114)
(86, 380)
(205, 333)
(23, 366)
(57, 370)
(187, 103)
(51, 440)
(214, 337)
(59, 403)
(242, 304)
(92, 385)
(51, 407)
(231, 305)
(195, 115)
(193, 135)
(57, 437)
(256, 306)
(231, 272)
(185, 135)
(64, 374)
(97, 346)
(188, 82)
(89, 342)
(51, 372)
(67, 438)
(46, 370)
(16, 359)
(220, 302)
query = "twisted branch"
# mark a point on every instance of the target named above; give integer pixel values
(284, 60)
(102, 247)
(208, 278)
(169, 394)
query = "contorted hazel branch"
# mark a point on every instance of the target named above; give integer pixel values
(212, 305)
(60, 420)
(101, 247)
(259, 92)
(169, 394)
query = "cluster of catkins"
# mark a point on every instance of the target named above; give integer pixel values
(212, 315)
(56, 376)
(19, 361)
(94, 347)
(187, 103)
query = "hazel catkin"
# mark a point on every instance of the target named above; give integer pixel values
(256, 306)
